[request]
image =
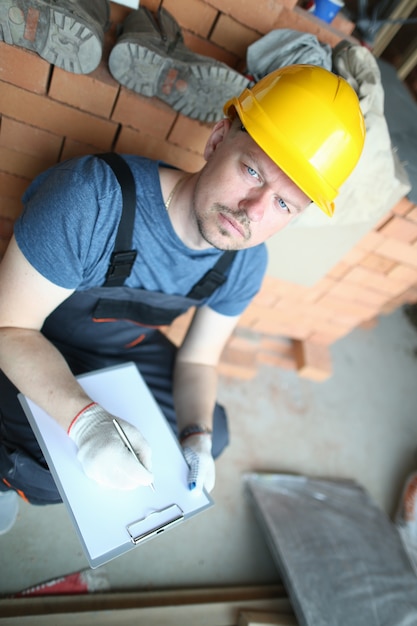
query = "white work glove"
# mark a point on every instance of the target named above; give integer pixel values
(197, 453)
(102, 453)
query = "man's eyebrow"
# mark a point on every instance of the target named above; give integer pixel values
(253, 158)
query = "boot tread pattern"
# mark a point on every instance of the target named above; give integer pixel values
(197, 88)
(57, 36)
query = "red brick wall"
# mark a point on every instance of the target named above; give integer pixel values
(48, 115)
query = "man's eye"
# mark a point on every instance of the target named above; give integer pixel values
(282, 204)
(252, 172)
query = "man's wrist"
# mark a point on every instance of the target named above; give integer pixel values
(91, 404)
(194, 429)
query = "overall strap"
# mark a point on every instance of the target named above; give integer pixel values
(123, 257)
(213, 278)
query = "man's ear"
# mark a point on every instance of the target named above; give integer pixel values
(217, 135)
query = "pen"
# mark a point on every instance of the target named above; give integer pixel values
(127, 443)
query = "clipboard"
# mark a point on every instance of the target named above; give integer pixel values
(110, 522)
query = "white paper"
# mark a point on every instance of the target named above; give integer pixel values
(133, 4)
(102, 515)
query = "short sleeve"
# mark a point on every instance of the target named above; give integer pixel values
(65, 229)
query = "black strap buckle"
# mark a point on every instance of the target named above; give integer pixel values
(120, 266)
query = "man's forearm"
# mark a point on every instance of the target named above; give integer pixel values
(195, 392)
(40, 372)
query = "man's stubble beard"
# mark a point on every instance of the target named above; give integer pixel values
(225, 234)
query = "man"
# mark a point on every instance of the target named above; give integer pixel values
(290, 140)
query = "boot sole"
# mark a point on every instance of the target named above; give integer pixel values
(197, 89)
(58, 35)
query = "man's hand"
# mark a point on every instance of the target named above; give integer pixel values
(197, 452)
(102, 453)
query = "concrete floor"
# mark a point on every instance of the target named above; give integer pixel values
(360, 424)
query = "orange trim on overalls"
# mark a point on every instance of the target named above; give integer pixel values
(133, 343)
(18, 491)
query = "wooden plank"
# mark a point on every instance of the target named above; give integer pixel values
(409, 61)
(385, 35)
(211, 614)
(110, 601)
(261, 618)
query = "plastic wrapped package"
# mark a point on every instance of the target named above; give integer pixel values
(339, 556)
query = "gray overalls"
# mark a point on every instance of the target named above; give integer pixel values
(98, 328)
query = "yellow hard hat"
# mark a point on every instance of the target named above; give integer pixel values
(309, 122)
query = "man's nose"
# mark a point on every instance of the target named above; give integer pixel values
(254, 205)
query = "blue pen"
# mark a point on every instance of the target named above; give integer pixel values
(192, 477)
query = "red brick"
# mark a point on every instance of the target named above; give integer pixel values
(323, 320)
(399, 251)
(23, 68)
(354, 256)
(377, 263)
(328, 338)
(72, 149)
(237, 363)
(149, 115)
(312, 360)
(343, 25)
(338, 271)
(412, 215)
(210, 49)
(274, 285)
(135, 142)
(400, 228)
(370, 241)
(152, 5)
(409, 296)
(244, 341)
(193, 15)
(285, 328)
(3, 246)
(259, 17)
(95, 92)
(10, 207)
(21, 164)
(6, 228)
(404, 274)
(265, 298)
(383, 221)
(56, 117)
(369, 324)
(275, 360)
(190, 134)
(403, 206)
(178, 329)
(357, 293)
(276, 352)
(345, 311)
(29, 139)
(233, 36)
(368, 279)
(12, 186)
(276, 345)
(301, 20)
(118, 12)
(323, 286)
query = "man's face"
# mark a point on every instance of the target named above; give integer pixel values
(241, 197)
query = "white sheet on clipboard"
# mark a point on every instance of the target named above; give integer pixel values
(109, 520)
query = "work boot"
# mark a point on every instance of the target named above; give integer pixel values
(151, 59)
(66, 33)
(9, 507)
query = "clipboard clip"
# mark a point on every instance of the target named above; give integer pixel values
(144, 528)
